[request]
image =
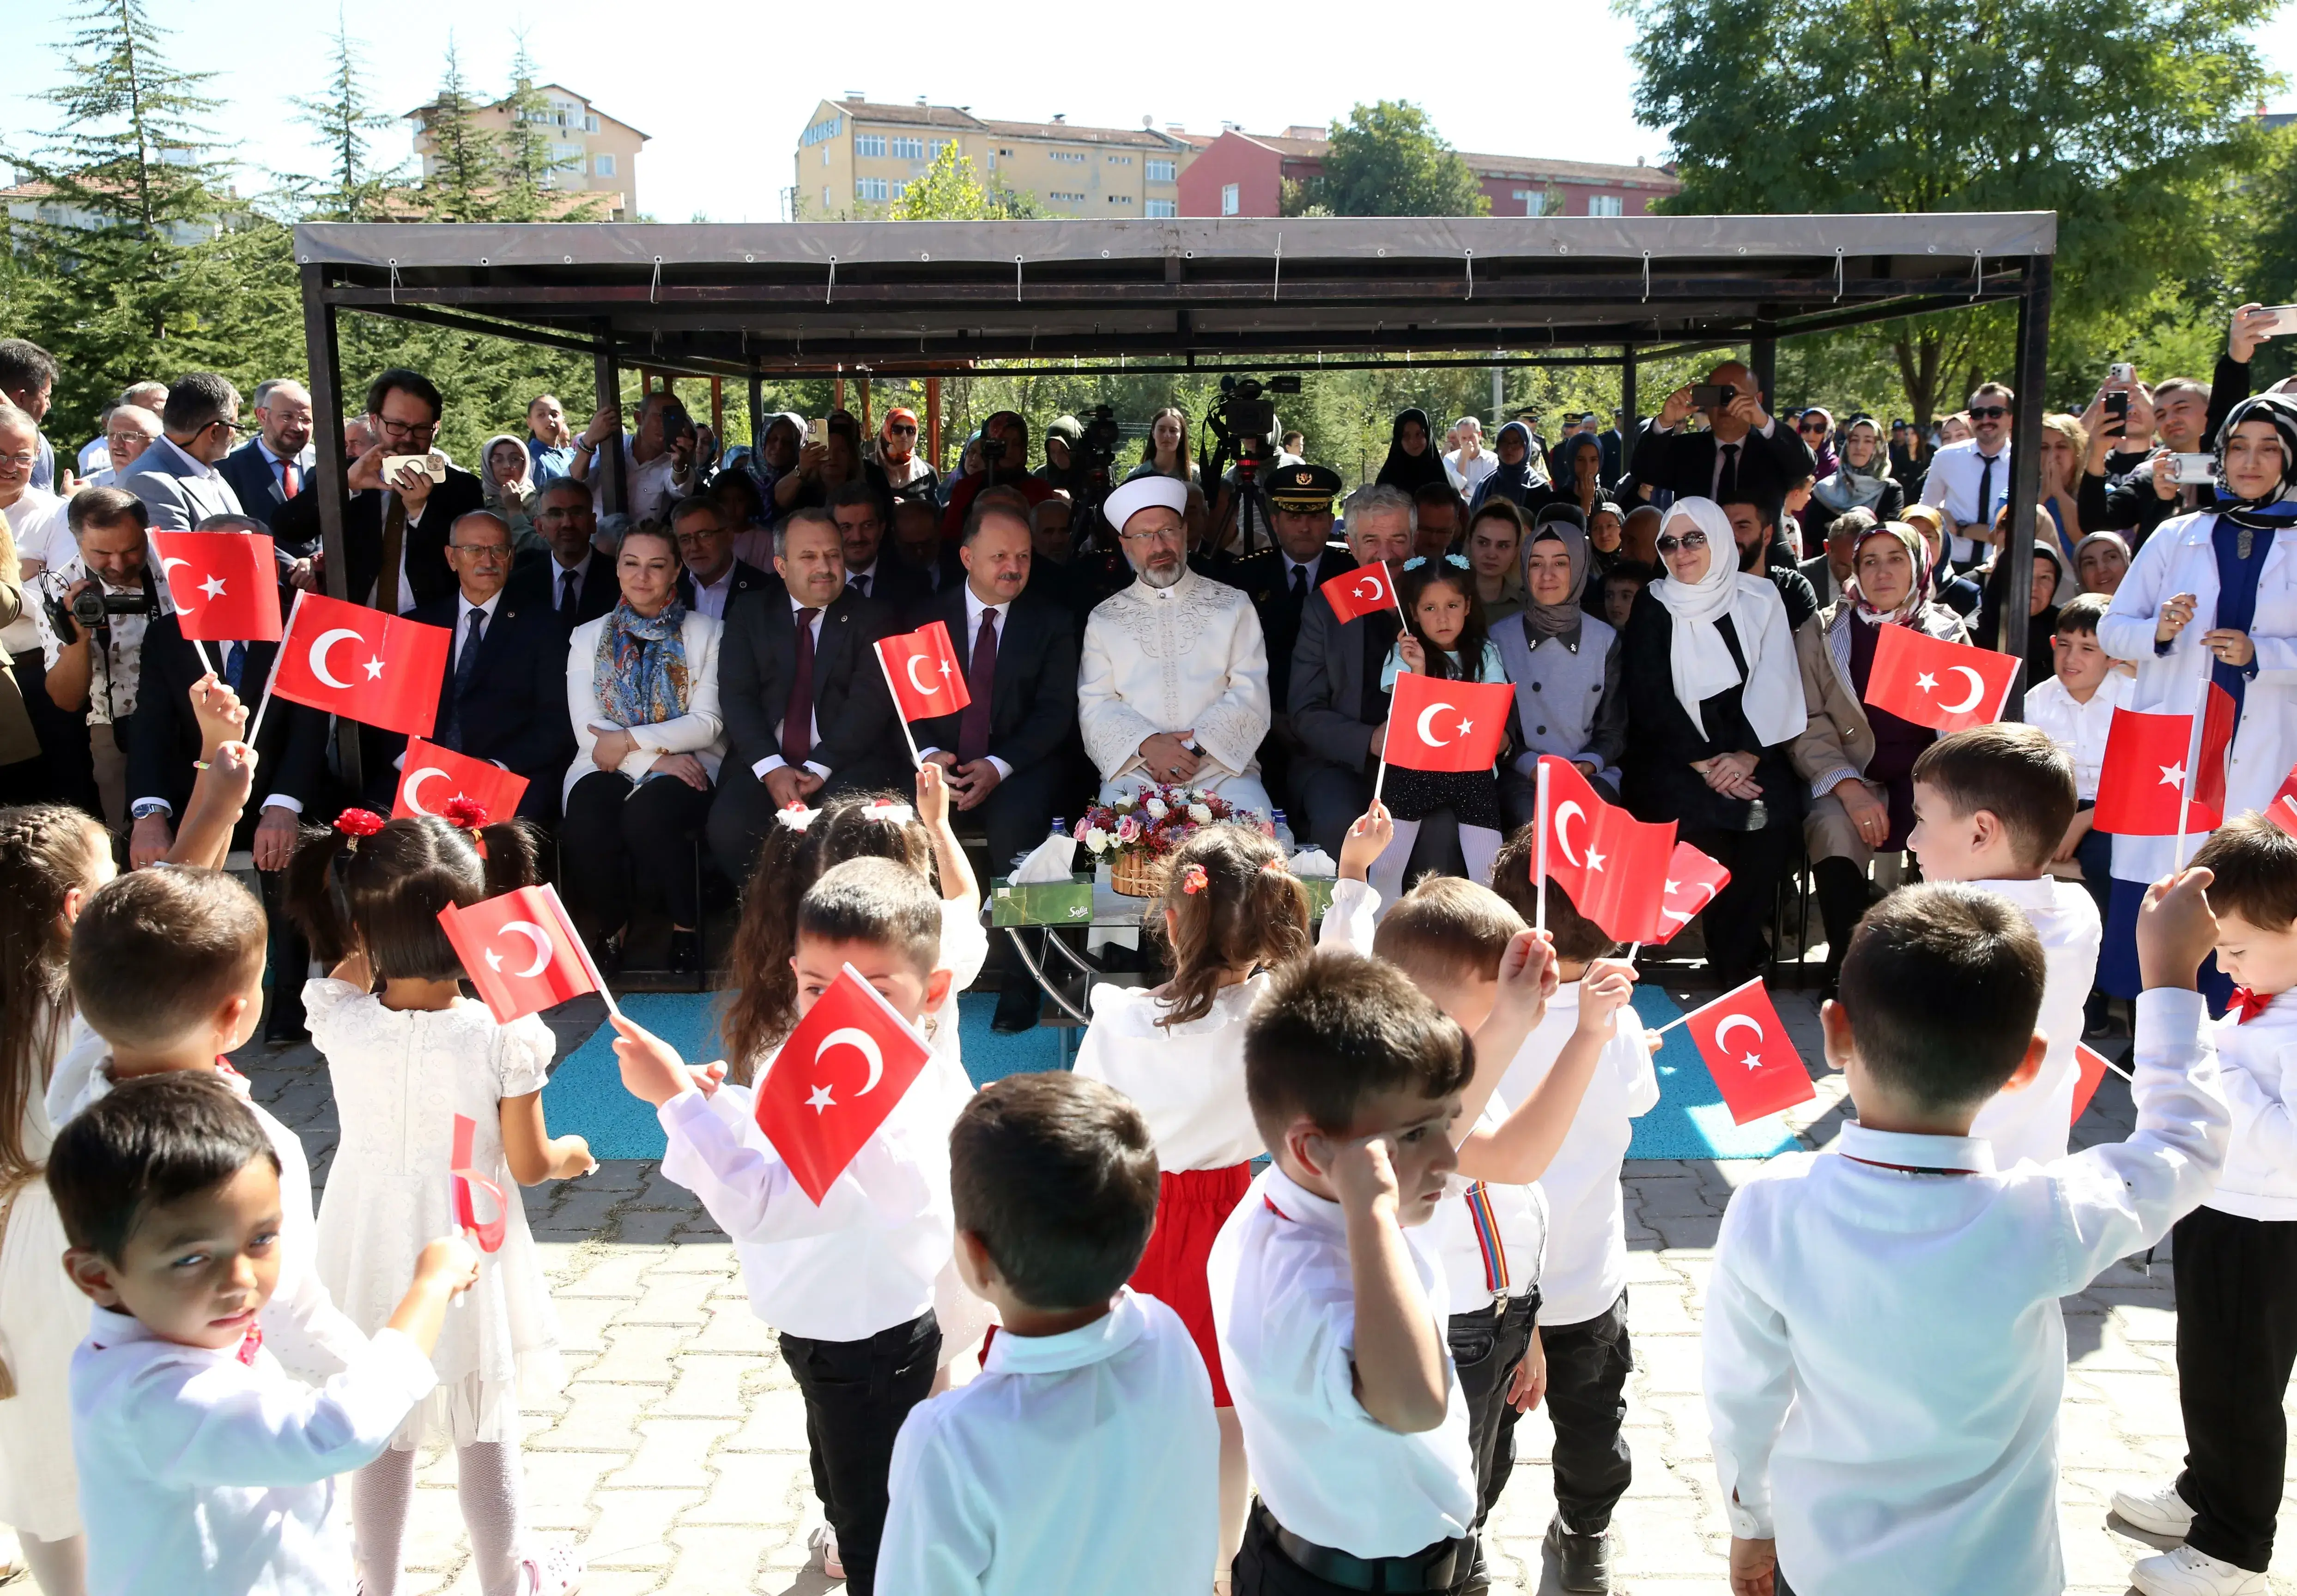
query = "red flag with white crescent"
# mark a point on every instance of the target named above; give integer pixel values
(431, 778)
(1613, 866)
(520, 950)
(1438, 725)
(2091, 1066)
(927, 677)
(1360, 591)
(362, 664)
(224, 585)
(1692, 881)
(2282, 811)
(2142, 781)
(847, 1065)
(1947, 686)
(1744, 1045)
(465, 1180)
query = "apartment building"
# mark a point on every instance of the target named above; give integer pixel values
(596, 153)
(1243, 174)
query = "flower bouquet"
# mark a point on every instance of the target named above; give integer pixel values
(1136, 834)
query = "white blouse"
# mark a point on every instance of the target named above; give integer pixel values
(1187, 1078)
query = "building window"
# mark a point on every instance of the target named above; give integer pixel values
(1120, 161)
(1160, 171)
(1229, 201)
(590, 123)
(828, 127)
(868, 144)
(1061, 197)
(1068, 156)
(870, 188)
(908, 149)
(825, 154)
(899, 190)
(604, 165)
(1120, 199)
(933, 149)
(1604, 205)
(1164, 208)
(825, 198)
(1535, 200)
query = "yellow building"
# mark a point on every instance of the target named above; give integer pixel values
(855, 158)
(594, 153)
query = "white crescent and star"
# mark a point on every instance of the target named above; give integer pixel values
(1563, 815)
(2173, 776)
(852, 1036)
(1378, 591)
(413, 793)
(319, 647)
(1723, 1037)
(536, 935)
(170, 564)
(1427, 733)
(213, 587)
(1977, 689)
(927, 687)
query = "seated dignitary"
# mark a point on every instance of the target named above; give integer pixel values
(1173, 679)
(1564, 666)
(1338, 712)
(807, 713)
(713, 578)
(872, 569)
(577, 582)
(1279, 581)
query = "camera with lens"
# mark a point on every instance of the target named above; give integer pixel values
(1098, 446)
(1244, 418)
(92, 609)
(993, 450)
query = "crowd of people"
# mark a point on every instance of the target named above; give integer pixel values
(1192, 1372)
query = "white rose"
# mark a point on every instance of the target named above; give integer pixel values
(1097, 840)
(1157, 809)
(1200, 814)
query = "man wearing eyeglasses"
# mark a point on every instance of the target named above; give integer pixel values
(1746, 452)
(1970, 481)
(177, 477)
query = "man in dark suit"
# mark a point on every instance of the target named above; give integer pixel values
(807, 713)
(713, 578)
(395, 538)
(274, 467)
(577, 582)
(1829, 570)
(1614, 446)
(872, 570)
(926, 561)
(1280, 582)
(1745, 453)
(1337, 711)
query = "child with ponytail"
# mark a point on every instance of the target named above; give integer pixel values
(408, 1054)
(1446, 639)
(1232, 914)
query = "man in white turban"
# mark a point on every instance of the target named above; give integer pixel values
(1172, 684)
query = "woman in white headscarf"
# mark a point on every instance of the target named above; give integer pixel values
(1714, 700)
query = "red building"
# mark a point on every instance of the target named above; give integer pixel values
(1243, 174)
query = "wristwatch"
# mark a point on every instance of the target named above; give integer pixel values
(145, 808)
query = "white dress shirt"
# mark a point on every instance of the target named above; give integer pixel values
(2034, 1124)
(1466, 470)
(462, 638)
(1884, 1349)
(2260, 1065)
(39, 523)
(1284, 1310)
(863, 579)
(2079, 728)
(710, 598)
(1491, 1236)
(580, 571)
(1085, 1464)
(974, 609)
(775, 761)
(203, 1476)
(1952, 485)
(1187, 1078)
(648, 489)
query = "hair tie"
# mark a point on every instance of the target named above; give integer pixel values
(891, 810)
(1459, 560)
(464, 813)
(357, 823)
(796, 816)
(1276, 866)
(1193, 880)
(1415, 562)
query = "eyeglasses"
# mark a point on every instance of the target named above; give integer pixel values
(241, 427)
(1987, 412)
(484, 551)
(400, 429)
(1668, 542)
(1162, 534)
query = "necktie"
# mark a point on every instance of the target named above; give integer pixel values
(568, 592)
(980, 680)
(1726, 477)
(859, 584)
(235, 665)
(1300, 584)
(2245, 1005)
(290, 480)
(394, 542)
(797, 718)
(466, 667)
(1985, 490)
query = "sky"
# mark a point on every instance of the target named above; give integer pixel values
(723, 99)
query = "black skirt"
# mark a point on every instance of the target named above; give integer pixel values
(1473, 796)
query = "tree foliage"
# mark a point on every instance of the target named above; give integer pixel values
(1388, 160)
(951, 191)
(341, 120)
(463, 183)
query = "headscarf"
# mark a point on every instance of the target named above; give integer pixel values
(1412, 472)
(2115, 539)
(2278, 508)
(1995, 599)
(1849, 488)
(520, 493)
(1698, 657)
(1918, 591)
(1070, 430)
(1557, 619)
(1564, 468)
(639, 673)
(1514, 482)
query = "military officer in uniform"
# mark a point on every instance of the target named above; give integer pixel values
(1278, 580)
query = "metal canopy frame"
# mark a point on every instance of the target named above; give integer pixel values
(936, 298)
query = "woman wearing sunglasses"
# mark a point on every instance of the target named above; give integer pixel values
(1716, 698)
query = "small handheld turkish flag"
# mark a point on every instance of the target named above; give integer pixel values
(927, 677)
(224, 585)
(1614, 866)
(1948, 686)
(449, 775)
(1693, 880)
(809, 1106)
(1360, 591)
(463, 1178)
(1745, 1046)
(2143, 778)
(362, 664)
(1438, 725)
(2093, 1067)
(2282, 811)
(520, 950)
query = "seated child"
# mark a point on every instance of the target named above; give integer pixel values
(1884, 1345)
(2075, 707)
(2235, 1256)
(1990, 806)
(1082, 1460)
(849, 1284)
(203, 1467)
(1446, 639)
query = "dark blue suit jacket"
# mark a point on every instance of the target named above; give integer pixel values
(514, 710)
(250, 477)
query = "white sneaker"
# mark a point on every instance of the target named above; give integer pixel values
(2185, 1572)
(2159, 1511)
(824, 1539)
(550, 1569)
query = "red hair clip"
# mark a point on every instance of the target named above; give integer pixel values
(357, 823)
(1193, 880)
(1276, 866)
(464, 813)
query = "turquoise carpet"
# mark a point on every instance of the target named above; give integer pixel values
(586, 1095)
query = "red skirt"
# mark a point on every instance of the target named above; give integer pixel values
(1191, 1207)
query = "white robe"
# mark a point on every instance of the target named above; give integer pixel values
(1190, 657)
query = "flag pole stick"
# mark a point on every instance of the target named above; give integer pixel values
(207, 663)
(1539, 866)
(1633, 948)
(255, 724)
(1380, 779)
(899, 719)
(2193, 759)
(590, 966)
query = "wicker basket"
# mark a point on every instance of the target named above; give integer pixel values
(1138, 875)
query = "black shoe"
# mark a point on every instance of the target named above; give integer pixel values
(1582, 1562)
(1479, 1582)
(1018, 1006)
(685, 952)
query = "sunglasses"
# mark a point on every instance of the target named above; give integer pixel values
(1668, 542)
(1987, 412)
(1812, 427)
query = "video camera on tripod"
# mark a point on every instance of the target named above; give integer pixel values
(1243, 420)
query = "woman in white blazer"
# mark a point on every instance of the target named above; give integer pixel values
(642, 691)
(2212, 597)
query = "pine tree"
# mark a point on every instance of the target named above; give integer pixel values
(528, 167)
(465, 168)
(353, 189)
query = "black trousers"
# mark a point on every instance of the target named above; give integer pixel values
(1019, 812)
(1842, 902)
(857, 1393)
(1262, 1569)
(1587, 1369)
(1738, 922)
(743, 809)
(1486, 1348)
(1329, 799)
(615, 835)
(2236, 1338)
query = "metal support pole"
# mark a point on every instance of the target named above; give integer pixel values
(323, 358)
(610, 392)
(932, 422)
(1762, 360)
(757, 414)
(867, 424)
(718, 410)
(2025, 463)
(1629, 421)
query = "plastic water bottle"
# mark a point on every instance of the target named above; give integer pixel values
(1060, 827)
(1284, 838)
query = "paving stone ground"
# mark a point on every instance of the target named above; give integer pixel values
(676, 1456)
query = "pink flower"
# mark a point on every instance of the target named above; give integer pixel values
(1128, 830)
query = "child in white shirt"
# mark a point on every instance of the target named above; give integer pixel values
(1884, 1349)
(203, 1468)
(1990, 805)
(2235, 1256)
(1081, 1460)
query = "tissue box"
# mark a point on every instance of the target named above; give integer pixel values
(1041, 903)
(1320, 896)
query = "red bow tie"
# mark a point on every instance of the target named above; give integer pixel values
(250, 1344)
(2247, 1005)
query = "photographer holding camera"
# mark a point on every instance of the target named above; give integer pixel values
(1004, 464)
(1744, 454)
(91, 613)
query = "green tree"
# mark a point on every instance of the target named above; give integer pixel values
(341, 119)
(467, 164)
(2127, 118)
(528, 167)
(951, 191)
(1387, 159)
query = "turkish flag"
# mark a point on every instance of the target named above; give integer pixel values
(1360, 591)
(1693, 880)
(463, 1180)
(922, 668)
(2282, 811)
(224, 585)
(457, 775)
(1438, 725)
(1614, 866)
(520, 950)
(2143, 779)
(2093, 1065)
(1947, 686)
(362, 664)
(846, 1067)
(1744, 1045)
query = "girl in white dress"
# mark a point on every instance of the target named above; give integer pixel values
(407, 1053)
(1232, 913)
(52, 859)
